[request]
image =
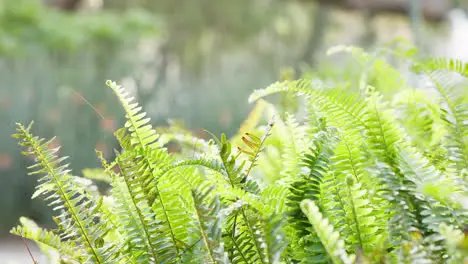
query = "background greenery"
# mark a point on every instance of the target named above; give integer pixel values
(194, 60)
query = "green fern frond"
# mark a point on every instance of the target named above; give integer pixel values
(308, 186)
(330, 239)
(139, 136)
(419, 113)
(317, 162)
(213, 165)
(49, 242)
(254, 146)
(158, 246)
(421, 173)
(253, 228)
(295, 142)
(254, 237)
(232, 170)
(341, 109)
(190, 145)
(449, 64)
(275, 197)
(140, 132)
(454, 113)
(149, 159)
(300, 87)
(96, 174)
(176, 212)
(234, 194)
(404, 209)
(346, 196)
(383, 132)
(240, 238)
(57, 185)
(369, 230)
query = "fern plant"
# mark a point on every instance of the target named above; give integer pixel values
(374, 173)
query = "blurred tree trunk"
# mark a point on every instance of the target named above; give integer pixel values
(319, 21)
(432, 10)
(66, 5)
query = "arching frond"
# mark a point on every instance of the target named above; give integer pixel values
(449, 64)
(140, 132)
(77, 207)
(341, 109)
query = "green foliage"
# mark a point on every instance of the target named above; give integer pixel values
(28, 21)
(370, 174)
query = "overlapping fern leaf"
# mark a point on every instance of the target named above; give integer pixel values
(330, 239)
(244, 232)
(145, 238)
(253, 238)
(308, 186)
(209, 225)
(451, 89)
(352, 200)
(149, 159)
(384, 136)
(419, 113)
(417, 168)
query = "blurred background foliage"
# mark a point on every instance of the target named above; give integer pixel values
(190, 60)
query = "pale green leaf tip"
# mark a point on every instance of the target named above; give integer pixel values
(110, 83)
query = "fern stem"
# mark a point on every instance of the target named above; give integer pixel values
(141, 217)
(174, 240)
(204, 236)
(238, 248)
(355, 217)
(252, 231)
(133, 124)
(382, 134)
(351, 161)
(259, 149)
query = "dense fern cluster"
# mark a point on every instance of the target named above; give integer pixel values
(373, 171)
